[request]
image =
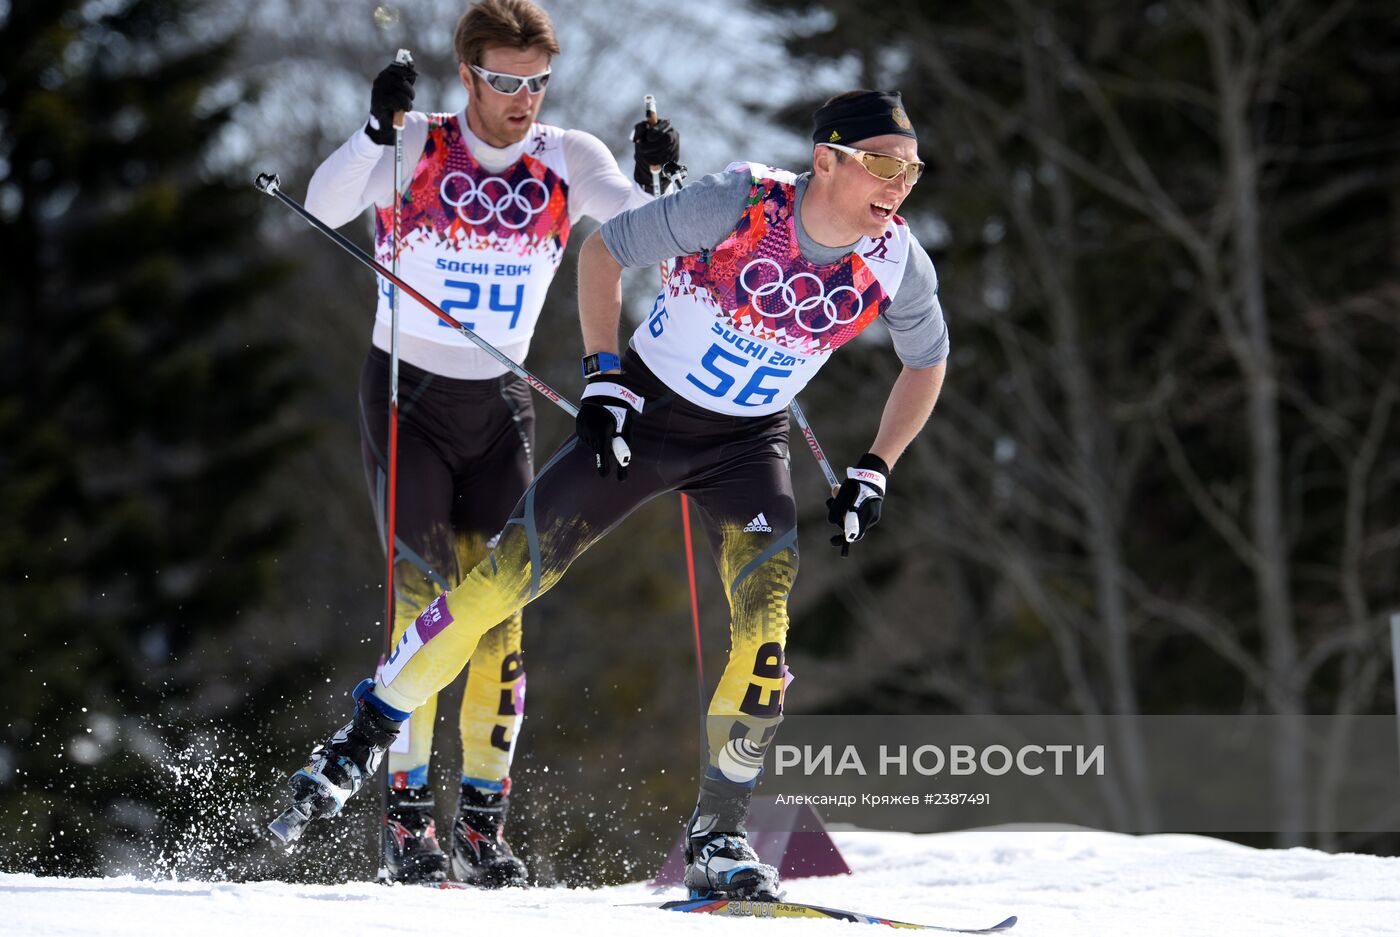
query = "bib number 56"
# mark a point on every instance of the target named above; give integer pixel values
(724, 369)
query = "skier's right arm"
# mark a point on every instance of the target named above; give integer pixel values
(609, 402)
(696, 218)
(361, 172)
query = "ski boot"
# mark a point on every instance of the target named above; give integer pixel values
(719, 862)
(339, 766)
(411, 851)
(724, 865)
(480, 856)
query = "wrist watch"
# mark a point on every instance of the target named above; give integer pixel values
(597, 363)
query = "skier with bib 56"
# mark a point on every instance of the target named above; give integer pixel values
(770, 274)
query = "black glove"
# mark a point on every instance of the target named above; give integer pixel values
(605, 415)
(863, 492)
(392, 92)
(656, 145)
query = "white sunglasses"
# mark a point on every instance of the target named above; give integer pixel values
(511, 84)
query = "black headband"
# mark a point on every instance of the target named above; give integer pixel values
(861, 116)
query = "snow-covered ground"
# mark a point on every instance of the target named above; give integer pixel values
(1061, 884)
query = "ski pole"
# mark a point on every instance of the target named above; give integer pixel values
(403, 58)
(650, 103)
(271, 184)
(694, 605)
(852, 523)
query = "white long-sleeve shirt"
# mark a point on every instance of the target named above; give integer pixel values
(360, 175)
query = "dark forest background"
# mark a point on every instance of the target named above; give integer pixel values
(1164, 476)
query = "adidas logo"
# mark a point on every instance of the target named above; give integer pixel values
(759, 525)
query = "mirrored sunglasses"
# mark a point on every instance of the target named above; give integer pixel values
(884, 166)
(510, 84)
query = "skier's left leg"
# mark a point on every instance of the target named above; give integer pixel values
(493, 707)
(750, 517)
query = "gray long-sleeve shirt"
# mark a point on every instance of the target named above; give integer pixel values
(703, 214)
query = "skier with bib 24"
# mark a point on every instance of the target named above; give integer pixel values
(491, 194)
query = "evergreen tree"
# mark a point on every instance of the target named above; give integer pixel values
(141, 414)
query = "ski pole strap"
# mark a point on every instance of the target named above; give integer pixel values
(616, 392)
(867, 476)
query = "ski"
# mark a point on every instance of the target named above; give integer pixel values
(789, 909)
(440, 886)
(382, 878)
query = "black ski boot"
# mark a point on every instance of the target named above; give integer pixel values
(719, 862)
(340, 765)
(480, 856)
(411, 851)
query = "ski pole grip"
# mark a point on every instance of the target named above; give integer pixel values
(403, 58)
(650, 103)
(621, 452)
(852, 527)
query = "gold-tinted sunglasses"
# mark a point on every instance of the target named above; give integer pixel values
(882, 165)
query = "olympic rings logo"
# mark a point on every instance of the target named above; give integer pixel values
(481, 194)
(787, 291)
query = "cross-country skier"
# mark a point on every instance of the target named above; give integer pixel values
(771, 274)
(490, 195)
